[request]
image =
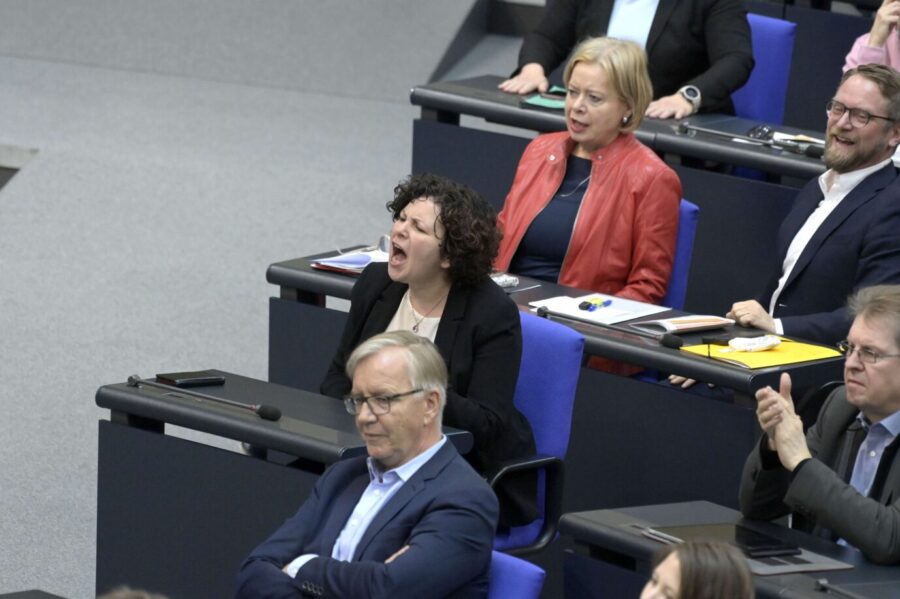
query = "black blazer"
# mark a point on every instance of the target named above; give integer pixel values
(480, 338)
(857, 246)
(705, 43)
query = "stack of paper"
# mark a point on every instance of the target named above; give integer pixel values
(610, 309)
(351, 262)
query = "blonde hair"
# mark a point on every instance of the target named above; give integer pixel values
(626, 67)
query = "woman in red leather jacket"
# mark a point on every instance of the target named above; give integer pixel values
(591, 207)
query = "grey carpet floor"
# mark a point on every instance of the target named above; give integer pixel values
(180, 148)
(136, 240)
(137, 237)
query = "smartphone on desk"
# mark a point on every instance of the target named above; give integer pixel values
(197, 378)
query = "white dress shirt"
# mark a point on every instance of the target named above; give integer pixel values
(631, 20)
(835, 187)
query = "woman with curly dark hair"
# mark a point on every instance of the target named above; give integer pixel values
(437, 285)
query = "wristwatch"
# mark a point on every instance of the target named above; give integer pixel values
(692, 95)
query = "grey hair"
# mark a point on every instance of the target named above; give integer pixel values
(881, 302)
(425, 367)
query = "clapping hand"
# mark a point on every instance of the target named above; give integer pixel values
(783, 427)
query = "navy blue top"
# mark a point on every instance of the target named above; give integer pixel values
(543, 248)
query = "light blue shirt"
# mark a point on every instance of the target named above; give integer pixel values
(382, 486)
(631, 20)
(878, 437)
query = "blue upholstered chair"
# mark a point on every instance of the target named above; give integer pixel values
(545, 394)
(763, 96)
(688, 214)
(514, 578)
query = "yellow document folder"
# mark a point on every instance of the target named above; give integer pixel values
(788, 352)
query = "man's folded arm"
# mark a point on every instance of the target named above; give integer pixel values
(450, 545)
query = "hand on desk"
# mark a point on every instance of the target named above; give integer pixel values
(529, 79)
(750, 313)
(669, 107)
(784, 429)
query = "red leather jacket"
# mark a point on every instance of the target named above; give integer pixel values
(623, 241)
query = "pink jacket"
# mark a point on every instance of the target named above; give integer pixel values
(623, 241)
(863, 53)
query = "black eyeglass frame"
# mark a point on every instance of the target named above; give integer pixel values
(866, 356)
(353, 403)
(856, 114)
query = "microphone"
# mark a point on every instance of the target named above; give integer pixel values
(829, 588)
(671, 341)
(265, 412)
(812, 150)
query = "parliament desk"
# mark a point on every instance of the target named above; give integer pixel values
(632, 442)
(734, 246)
(612, 559)
(178, 516)
(445, 101)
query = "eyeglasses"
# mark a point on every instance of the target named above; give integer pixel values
(858, 116)
(865, 355)
(378, 404)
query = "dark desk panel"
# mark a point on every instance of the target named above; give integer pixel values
(608, 546)
(178, 516)
(444, 101)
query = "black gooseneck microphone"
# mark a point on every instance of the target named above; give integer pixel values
(812, 150)
(666, 339)
(263, 411)
(826, 587)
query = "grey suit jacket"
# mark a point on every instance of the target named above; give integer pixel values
(819, 493)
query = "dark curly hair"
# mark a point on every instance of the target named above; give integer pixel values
(471, 237)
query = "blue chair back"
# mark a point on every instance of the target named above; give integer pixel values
(548, 375)
(763, 96)
(514, 578)
(545, 394)
(688, 214)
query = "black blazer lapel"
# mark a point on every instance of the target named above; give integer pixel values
(405, 494)
(663, 12)
(383, 310)
(856, 199)
(598, 19)
(454, 312)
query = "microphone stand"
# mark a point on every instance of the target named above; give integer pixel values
(813, 150)
(263, 411)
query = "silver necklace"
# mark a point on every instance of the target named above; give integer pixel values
(577, 187)
(415, 327)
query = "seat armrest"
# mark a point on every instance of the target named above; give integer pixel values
(554, 476)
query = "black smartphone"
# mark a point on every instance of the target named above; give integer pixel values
(198, 378)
